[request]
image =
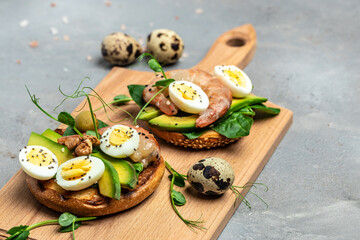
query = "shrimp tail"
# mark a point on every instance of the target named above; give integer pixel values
(160, 101)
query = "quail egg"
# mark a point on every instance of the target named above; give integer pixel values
(188, 96)
(79, 173)
(211, 176)
(120, 49)
(165, 45)
(119, 141)
(38, 162)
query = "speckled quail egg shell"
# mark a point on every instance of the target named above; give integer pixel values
(120, 49)
(211, 176)
(165, 45)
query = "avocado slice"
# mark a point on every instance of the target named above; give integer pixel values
(52, 135)
(61, 152)
(149, 113)
(109, 184)
(188, 123)
(174, 124)
(127, 174)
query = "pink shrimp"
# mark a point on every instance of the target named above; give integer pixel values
(220, 97)
(161, 101)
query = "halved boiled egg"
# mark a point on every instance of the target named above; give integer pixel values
(38, 162)
(235, 79)
(79, 173)
(119, 141)
(188, 96)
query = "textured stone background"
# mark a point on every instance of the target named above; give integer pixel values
(307, 60)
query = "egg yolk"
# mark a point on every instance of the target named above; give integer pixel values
(76, 169)
(120, 135)
(39, 157)
(235, 76)
(187, 92)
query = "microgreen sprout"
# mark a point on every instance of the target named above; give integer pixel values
(178, 199)
(63, 117)
(67, 221)
(156, 67)
(238, 195)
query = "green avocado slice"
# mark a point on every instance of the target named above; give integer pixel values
(61, 152)
(188, 123)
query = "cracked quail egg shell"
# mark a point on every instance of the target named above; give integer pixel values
(211, 176)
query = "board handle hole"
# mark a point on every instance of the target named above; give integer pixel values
(236, 42)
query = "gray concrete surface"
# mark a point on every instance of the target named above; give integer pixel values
(307, 60)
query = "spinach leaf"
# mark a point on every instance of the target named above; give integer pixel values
(193, 135)
(236, 125)
(265, 109)
(247, 111)
(179, 180)
(178, 197)
(69, 131)
(163, 83)
(66, 118)
(121, 99)
(70, 227)
(66, 219)
(102, 124)
(135, 92)
(138, 168)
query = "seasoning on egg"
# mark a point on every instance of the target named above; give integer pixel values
(120, 49)
(211, 176)
(188, 96)
(165, 45)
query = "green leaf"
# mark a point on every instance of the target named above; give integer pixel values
(179, 180)
(91, 132)
(235, 126)
(121, 99)
(70, 131)
(23, 236)
(138, 168)
(154, 65)
(135, 92)
(66, 219)
(178, 197)
(265, 109)
(14, 230)
(194, 135)
(102, 124)
(66, 118)
(247, 111)
(163, 83)
(70, 228)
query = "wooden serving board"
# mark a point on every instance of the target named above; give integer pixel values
(154, 218)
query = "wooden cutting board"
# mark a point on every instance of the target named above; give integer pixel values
(154, 218)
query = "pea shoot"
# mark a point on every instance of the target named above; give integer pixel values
(67, 221)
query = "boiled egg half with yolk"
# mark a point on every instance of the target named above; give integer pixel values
(119, 141)
(38, 162)
(235, 79)
(188, 96)
(79, 173)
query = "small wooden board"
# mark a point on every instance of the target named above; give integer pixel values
(154, 218)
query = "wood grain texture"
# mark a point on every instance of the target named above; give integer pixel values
(154, 218)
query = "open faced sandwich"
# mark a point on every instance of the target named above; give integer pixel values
(91, 168)
(192, 108)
